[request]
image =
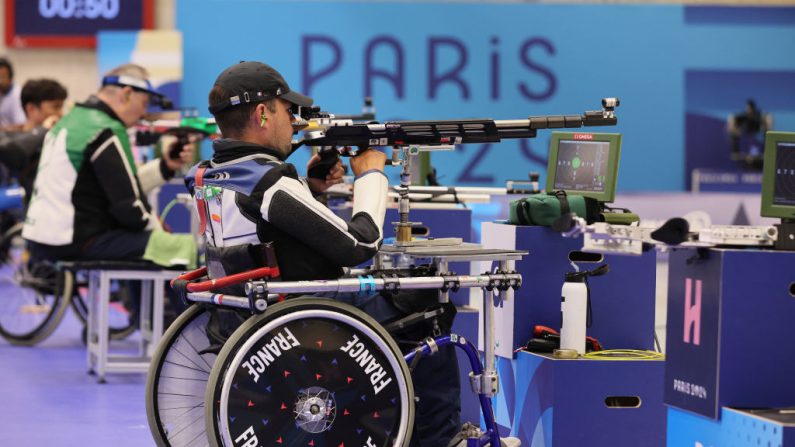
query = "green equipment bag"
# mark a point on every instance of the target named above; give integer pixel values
(546, 209)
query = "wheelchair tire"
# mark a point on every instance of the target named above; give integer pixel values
(310, 371)
(31, 303)
(78, 302)
(177, 379)
(121, 326)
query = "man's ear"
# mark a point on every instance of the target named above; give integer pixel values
(126, 93)
(30, 108)
(260, 118)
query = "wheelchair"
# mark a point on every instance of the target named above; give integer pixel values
(308, 370)
(33, 302)
(37, 295)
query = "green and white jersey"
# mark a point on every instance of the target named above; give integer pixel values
(87, 182)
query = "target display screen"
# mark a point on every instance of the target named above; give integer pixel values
(778, 175)
(784, 177)
(582, 165)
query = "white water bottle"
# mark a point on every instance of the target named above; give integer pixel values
(574, 312)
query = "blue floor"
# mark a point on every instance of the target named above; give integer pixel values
(48, 399)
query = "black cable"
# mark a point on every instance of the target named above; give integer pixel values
(657, 341)
(589, 311)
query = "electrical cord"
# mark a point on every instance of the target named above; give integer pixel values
(624, 354)
(166, 210)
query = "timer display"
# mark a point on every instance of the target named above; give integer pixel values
(76, 9)
(71, 23)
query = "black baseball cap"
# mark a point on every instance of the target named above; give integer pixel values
(250, 82)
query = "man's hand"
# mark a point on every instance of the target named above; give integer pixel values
(334, 176)
(367, 161)
(184, 156)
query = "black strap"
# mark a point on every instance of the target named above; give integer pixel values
(599, 271)
(523, 212)
(564, 202)
(564, 221)
(589, 312)
(180, 287)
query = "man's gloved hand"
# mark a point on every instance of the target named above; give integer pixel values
(333, 177)
(175, 159)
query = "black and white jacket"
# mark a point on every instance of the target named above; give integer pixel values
(87, 183)
(253, 197)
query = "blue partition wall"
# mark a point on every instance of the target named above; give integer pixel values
(675, 67)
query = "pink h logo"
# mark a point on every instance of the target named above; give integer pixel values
(692, 311)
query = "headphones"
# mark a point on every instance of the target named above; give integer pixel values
(262, 119)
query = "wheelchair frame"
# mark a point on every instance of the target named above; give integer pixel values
(261, 294)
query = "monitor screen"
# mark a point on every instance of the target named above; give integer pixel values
(784, 177)
(778, 177)
(584, 164)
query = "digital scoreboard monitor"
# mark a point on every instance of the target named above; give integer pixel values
(584, 164)
(778, 177)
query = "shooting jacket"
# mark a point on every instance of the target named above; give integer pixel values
(87, 182)
(19, 154)
(253, 196)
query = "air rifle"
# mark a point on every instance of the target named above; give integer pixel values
(150, 132)
(346, 134)
(408, 138)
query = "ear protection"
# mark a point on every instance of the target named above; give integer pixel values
(262, 119)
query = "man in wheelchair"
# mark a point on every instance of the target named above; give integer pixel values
(248, 195)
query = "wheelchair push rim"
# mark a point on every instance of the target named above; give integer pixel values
(310, 372)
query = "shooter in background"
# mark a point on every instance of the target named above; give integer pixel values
(43, 101)
(744, 129)
(12, 116)
(89, 198)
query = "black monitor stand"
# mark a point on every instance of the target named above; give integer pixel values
(786, 235)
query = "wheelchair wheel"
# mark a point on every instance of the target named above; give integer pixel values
(177, 379)
(310, 372)
(121, 323)
(31, 302)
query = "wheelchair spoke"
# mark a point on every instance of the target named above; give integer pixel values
(176, 403)
(190, 424)
(209, 366)
(195, 366)
(201, 435)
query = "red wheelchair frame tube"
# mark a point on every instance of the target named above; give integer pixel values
(205, 286)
